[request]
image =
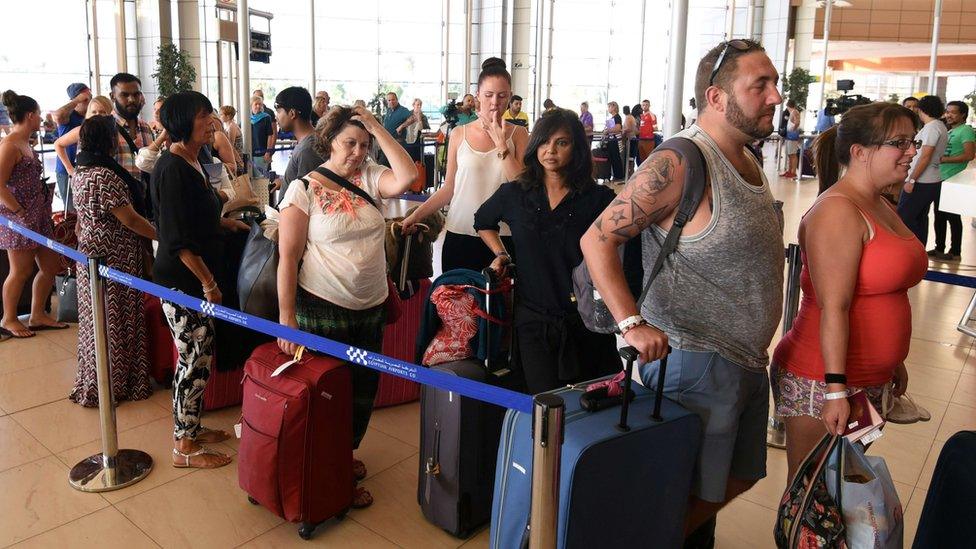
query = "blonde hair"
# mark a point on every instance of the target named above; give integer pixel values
(101, 101)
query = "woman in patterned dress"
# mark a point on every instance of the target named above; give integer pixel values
(25, 199)
(109, 226)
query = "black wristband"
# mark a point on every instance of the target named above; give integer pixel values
(836, 378)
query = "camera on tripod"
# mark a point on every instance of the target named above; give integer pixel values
(842, 104)
(451, 113)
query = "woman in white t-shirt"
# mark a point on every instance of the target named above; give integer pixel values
(481, 156)
(332, 264)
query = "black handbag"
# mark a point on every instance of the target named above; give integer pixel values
(257, 278)
(67, 287)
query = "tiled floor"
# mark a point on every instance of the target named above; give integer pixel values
(42, 435)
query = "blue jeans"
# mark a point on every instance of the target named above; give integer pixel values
(63, 182)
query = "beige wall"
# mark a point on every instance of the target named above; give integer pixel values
(901, 21)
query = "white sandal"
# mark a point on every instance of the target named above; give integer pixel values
(201, 452)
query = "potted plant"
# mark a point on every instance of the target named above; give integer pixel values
(174, 72)
(797, 86)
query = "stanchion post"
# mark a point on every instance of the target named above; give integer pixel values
(548, 415)
(112, 468)
(776, 430)
(792, 301)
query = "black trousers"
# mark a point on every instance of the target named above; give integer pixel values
(913, 208)
(616, 163)
(955, 227)
(461, 251)
(554, 352)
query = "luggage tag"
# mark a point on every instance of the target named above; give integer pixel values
(237, 426)
(298, 357)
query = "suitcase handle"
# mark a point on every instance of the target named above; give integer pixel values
(631, 355)
(490, 278)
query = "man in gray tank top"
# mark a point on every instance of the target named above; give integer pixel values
(717, 301)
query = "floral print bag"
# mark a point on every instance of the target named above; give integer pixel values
(809, 518)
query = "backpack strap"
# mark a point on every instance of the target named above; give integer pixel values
(696, 178)
(124, 132)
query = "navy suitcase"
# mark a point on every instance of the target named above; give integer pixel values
(617, 488)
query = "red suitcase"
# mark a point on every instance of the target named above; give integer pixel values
(400, 341)
(223, 388)
(162, 350)
(295, 455)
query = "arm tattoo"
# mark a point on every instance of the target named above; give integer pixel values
(640, 203)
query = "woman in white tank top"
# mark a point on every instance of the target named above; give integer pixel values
(480, 157)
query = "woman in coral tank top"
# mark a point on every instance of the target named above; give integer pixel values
(859, 260)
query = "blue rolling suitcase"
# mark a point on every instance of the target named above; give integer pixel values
(618, 488)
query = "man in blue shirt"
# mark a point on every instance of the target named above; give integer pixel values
(68, 117)
(824, 121)
(396, 115)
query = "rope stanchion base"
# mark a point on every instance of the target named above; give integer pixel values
(93, 474)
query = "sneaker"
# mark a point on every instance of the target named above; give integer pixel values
(934, 252)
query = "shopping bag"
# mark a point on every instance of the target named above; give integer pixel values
(872, 512)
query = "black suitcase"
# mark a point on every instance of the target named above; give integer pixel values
(458, 449)
(429, 170)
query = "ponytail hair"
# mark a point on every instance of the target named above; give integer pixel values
(494, 66)
(18, 106)
(825, 159)
(865, 125)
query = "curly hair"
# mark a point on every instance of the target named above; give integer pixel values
(331, 125)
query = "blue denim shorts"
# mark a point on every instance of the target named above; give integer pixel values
(733, 404)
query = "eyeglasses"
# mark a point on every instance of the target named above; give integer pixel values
(903, 144)
(738, 45)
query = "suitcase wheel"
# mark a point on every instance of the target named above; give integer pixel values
(342, 514)
(305, 530)
(253, 501)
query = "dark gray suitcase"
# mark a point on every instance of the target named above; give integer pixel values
(458, 447)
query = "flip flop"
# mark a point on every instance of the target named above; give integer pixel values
(5, 333)
(42, 327)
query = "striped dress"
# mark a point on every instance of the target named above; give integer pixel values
(98, 191)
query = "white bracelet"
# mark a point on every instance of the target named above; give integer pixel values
(835, 396)
(629, 323)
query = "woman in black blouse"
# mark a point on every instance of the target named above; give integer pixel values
(188, 229)
(548, 208)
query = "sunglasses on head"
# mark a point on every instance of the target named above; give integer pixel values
(738, 45)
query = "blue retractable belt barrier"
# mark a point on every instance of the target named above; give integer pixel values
(951, 278)
(425, 376)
